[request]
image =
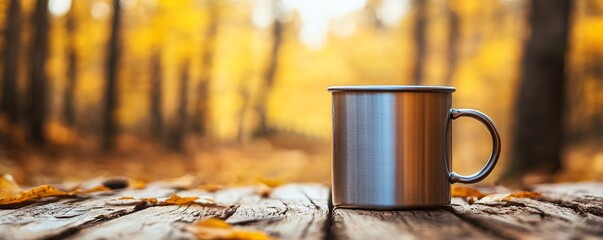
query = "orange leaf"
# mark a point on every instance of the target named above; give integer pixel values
(175, 199)
(8, 186)
(272, 182)
(11, 193)
(460, 191)
(91, 190)
(34, 193)
(214, 228)
(533, 195)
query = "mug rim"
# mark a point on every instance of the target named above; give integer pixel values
(391, 88)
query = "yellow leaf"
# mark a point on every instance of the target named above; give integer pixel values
(91, 190)
(459, 191)
(214, 228)
(8, 186)
(533, 195)
(34, 193)
(175, 199)
(272, 182)
(11, 193)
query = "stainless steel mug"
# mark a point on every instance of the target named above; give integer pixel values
(392, 146)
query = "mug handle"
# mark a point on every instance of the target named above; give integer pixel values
(487, 169)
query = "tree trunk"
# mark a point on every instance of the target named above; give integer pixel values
(179, 132)
(420, 42)
(537, 142)
(202, 103)
(68, 99)
(262, 104)
(156, 96)
(37, 84)
(453, 42)
(110, 98)
(12, 35)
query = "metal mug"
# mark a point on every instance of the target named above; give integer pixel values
(392, 146)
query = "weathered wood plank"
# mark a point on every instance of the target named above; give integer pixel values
(528, 218)
(64, 216)
(577, 189)
(160, 222)
(420, 224)
(293, 211)
(581, 197)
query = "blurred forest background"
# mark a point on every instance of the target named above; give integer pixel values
(234, 91)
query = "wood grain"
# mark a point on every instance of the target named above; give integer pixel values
(61, 217)
(528, 218)
(292, 211)
(302, 211)
(425, 224)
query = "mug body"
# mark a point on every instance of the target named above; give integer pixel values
(391, 146)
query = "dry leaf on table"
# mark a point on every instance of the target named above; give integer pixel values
(467, 192)
(172, 200)
(217, 229)
(272, 182)
(11, 193)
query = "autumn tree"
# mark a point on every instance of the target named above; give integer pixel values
(419, 40)
(202, 102)
(68, 98)
(37, 84)
(180, 125)
(537, 140)
(156, 95)
(270, 72)
(110, 95)
(12, 33)
(453, 41)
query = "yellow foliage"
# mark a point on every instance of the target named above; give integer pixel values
(214, 228)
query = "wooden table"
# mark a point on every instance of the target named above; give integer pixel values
(302, 211)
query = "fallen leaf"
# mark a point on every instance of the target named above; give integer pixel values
(460, 191)
(11, 193)
(272, 182)
(175, 199)
(532, 195)
(91, 190)
(172, 200)
(499, 198)
(8, 186)
(34, 193)
(214, 228)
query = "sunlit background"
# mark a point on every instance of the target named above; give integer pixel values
(234, 91)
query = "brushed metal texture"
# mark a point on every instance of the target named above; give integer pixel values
(391, 149)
